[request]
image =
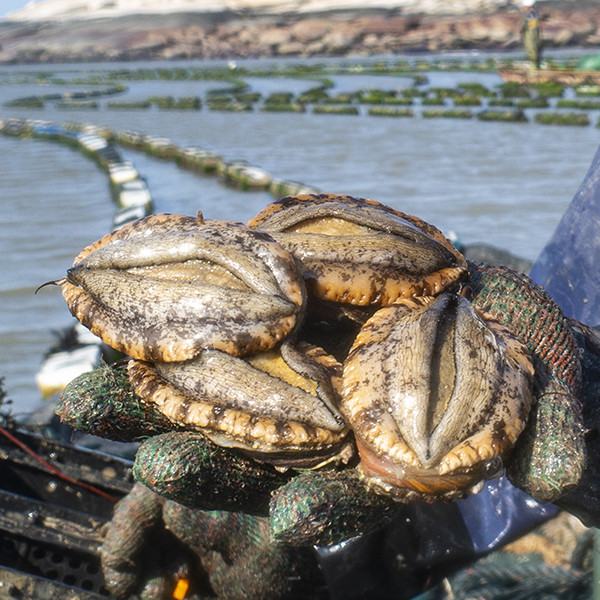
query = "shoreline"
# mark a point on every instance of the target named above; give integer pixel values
(235, 35)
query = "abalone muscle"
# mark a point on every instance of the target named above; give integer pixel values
(167, 286)
(359, 251)
(437, 394)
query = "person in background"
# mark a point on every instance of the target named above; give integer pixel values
(530, 31)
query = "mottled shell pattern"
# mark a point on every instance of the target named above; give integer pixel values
(167, 286)
(435, 392)
(360, 251)
(280, 404)
(448, 399)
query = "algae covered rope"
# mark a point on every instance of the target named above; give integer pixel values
(515, 300)
(127, 536)
(241, 559)
(102, 403)
(311, 507)
(584, 499)
(304, 509)
(550, 456)
(327, 507)
(190, 469)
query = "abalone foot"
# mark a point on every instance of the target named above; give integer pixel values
(405, 483)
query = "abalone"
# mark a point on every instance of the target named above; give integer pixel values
(167, 286)
(359, 251)
(436, 394)
(281, 405)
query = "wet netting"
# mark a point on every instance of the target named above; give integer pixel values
(503, 575)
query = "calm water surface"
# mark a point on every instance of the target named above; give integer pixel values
(502, 184)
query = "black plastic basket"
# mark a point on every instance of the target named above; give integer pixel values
(54, 501)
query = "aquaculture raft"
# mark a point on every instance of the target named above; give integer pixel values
(564, 76)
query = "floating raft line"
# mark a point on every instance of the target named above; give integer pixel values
(129, 189)
(569, 77)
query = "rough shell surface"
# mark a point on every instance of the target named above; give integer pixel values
(436, 394)
(167, 286)
(280, 404)
(359, 251)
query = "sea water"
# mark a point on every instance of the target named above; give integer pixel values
(503, 184)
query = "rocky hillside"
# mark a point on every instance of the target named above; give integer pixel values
(268, 32)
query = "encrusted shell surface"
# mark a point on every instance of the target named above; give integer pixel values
(281, 404)
(167, 286)
(436, 393)
(360, 251)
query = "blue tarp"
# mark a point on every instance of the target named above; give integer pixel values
(569, 265)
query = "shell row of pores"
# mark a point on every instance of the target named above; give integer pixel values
(432, 393)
